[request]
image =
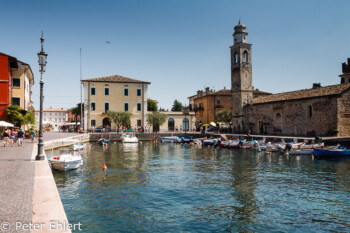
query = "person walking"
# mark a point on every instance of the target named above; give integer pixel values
(6, 137)
(20, 135)
(32, 134)
(13, 137)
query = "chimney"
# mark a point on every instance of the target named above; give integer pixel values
(207, 90)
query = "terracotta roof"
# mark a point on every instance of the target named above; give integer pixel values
(303, 94)
(114, 79)
(261, 92)
(52, 110)
(222, 92)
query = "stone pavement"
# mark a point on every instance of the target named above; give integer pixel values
(17, 171)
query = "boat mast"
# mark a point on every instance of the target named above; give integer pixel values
(81, 97)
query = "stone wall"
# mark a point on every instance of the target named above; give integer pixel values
(344, 114)
(304, 117)
(140, 136)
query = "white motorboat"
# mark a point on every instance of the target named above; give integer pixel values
(66, 162)
(168, 139)
(78, 146)
(129, 138)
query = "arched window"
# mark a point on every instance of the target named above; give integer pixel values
(106, 122)
(171, 124)
(185, 124)
(235, 58)
(309, 110)
(278, 118)
(245, 56)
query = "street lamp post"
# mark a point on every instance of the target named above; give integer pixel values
(42, 64)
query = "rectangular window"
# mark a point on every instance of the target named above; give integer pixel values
(106, 90)
(16, 82)
(138, 122)
(93, 122)
(126, 107)
(16, 101)
(93, 91)
(93, 106)
(126, 92)
(139, 107)
(106, 106)
(138, 91)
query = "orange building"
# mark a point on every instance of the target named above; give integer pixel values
(16, 79)
(207, 103)
(6, 63)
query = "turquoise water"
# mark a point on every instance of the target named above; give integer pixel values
(152, 187)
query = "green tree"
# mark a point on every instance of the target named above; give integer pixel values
(224, 116)
(156, 119)
(119, 118)
(177, 106)
(29, 118)
(15, 115)
(152, 105)
(77, 111)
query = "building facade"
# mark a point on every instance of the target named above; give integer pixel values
(56, 117)
(318, 111)
(22, 80)
(116, 93)
(207, 103)
(178, 120)
(16, 79)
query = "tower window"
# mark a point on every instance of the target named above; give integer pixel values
(245, 56)
(235, 58)
(310, 111)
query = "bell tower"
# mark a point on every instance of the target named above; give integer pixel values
(241, 75)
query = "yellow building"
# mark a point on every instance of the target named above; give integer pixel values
(116, 93)
(22, 80)
(178, 120)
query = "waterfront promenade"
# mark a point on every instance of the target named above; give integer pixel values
(17, 176)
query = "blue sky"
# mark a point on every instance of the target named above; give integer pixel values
(179, 46)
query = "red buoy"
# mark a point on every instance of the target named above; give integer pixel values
(104, 167)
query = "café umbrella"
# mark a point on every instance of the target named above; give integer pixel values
(213, 124)
(5, 124)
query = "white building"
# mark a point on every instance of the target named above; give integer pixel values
(55, 116)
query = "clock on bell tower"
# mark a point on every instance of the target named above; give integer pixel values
(241, 74)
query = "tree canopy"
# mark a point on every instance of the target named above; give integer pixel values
(17, 116)
(119, 118)
(224, 116)
(156, 119)
(177, 106)
(152, 105)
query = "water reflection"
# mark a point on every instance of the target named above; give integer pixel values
(152, 187)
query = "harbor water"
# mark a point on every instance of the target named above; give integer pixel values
(154, 187)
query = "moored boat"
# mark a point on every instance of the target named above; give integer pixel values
(130, 138)
(66, 162)
(168, 139)
(102, 141)
(187, 138)
(78, 146)
(331, 152)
